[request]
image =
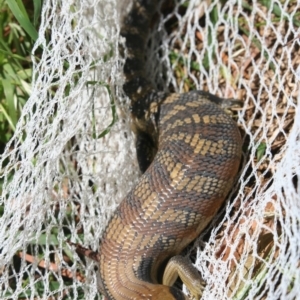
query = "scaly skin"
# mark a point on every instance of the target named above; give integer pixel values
(190, 151)
(199, 151)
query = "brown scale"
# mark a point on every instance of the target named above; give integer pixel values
(174, 200)
(193, 152)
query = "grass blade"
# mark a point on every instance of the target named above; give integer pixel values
(22, 18)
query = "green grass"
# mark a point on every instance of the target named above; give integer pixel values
(18, 32)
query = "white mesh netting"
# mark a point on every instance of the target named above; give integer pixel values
(72, 158)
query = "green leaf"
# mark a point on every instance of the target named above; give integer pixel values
(20, 14)
(261, 149)
(214, 15)
(7, 117)
(47, 240)
(9, 95)
(37, 11)
(25, 74)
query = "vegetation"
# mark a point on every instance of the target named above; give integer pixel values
(17, 36)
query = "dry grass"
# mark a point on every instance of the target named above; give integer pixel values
(267, 115)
